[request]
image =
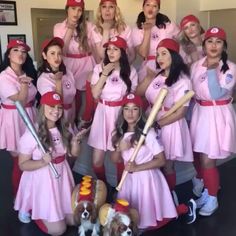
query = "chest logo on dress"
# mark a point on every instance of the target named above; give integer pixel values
(203, 77)
(67, 84)
(114, 80)
(156, 85)
(228, 78)
(155, 36)
(56, 139)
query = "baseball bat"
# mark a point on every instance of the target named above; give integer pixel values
(25, 117)
(179, 103)
(152, 116)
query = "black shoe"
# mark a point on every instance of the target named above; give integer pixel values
(190, 217)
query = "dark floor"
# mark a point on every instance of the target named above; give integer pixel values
(222, 223)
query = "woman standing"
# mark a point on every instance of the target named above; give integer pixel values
(17, 73)
(213, 124)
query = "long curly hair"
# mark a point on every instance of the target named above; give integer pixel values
(44, 134)
(119, 23)
(121, 127)
(81, 32)
(125, 69)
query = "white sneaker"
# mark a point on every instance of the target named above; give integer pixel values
(203, 199)
(24, 217)
(198, 186)
(210, 206)
(175, 197)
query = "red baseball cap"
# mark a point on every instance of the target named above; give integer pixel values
(158, 2)
(187, 19)
(113, 1)
(51, 99)
(75, 3)
(57, 40)
(215, 32)
(132, 98)
(16, 42)
(117, 41)
(169, 44)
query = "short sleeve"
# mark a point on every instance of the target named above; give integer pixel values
(95, 76)
(27, 144)
(134, 79)
(44, 86)
(59, 30)
(172, 30)
(153, 143)
(137, 36)
(7, 88)
(227, 79)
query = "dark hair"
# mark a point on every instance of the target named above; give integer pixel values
(45, 67)
(125, 69)
(224, 56)
(161, 20)
(176, 69)
(27, 67)
(121, 127)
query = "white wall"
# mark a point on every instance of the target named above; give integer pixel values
(206, 5)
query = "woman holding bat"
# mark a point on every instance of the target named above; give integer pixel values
(149, 193)
(41, 196)
(173, 129)
(213, 124)
(17, 74)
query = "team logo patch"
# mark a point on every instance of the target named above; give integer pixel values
(156, 85)
(113, 39)
(19, 42)
(154, 36)
(228, 78)
(56, 97)
(214, 30)
(114, 80)
(130, 96)
(67, 84)
(56, 140)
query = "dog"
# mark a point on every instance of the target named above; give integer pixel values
(85, 216)
(120, 224)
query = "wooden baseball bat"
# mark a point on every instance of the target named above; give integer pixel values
(25, 117)
(179, 103)
(152, 116)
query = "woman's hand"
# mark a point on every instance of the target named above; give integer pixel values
(25, 80)
(71, 24)
(107, 69)
(77, 139)
(57, 76)
(47, 158)
(147, 26)
(131, 167)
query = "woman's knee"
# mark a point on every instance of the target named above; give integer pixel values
(57, 230)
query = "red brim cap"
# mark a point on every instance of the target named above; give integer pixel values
(16, 43)
(169, 44)
(116, 41)
(215, 32)
(75, 3)
(132, 98)
(187, 19)
(51, 99)
(113, 1)
(57, 40)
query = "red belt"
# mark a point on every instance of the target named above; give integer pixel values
(30, 104)
(111, 103)
(67, 106)
(58, 160)
(151, 57)
(81, 55)
(214, 102)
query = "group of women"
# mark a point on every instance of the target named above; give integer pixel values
(87, 69)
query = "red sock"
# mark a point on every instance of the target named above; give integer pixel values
(181, 209)
(100, 172)
(211, 180)
(171, 180)
(198, 167)
(16, 175)
(119, 170)
(41, 225)
(90, 104)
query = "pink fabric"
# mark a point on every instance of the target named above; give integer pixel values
(150, 193)
(105, 116)
(46, 84)
(217, 123)
(11, 124)
(80, 67)
(175, 137)
(171, 31)
(48, 198)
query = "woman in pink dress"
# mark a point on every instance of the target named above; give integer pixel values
(174, 132)
(145, 187)
(17, 75)
(110, 82)
(54, 76)
(76, 33)
(109, 23)
(41, 196)
(191, 38)
(213, 124)
(152, 27)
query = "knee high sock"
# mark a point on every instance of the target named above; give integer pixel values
(211, 180)
(100, 172)
(171, 180)
(41, 225)
(89, 103)
(16, 175)
(119, 170)
(198, 168)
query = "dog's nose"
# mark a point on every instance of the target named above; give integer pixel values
(85, 214)
(129, 232)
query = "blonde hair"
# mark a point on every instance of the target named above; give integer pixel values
(119, 23)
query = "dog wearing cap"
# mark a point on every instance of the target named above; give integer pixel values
(119, 219)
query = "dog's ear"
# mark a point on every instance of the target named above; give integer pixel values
(114, 227)
(77, 216)
(94, 214)
(134, 228)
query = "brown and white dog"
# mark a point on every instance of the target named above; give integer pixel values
(86, 218)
